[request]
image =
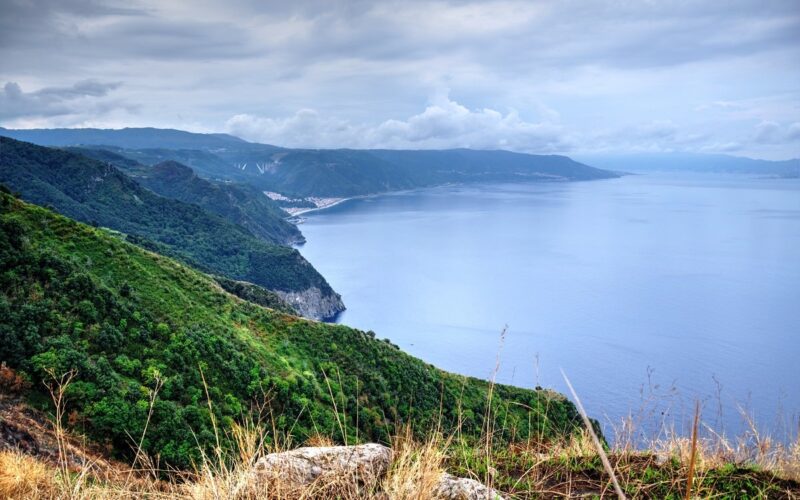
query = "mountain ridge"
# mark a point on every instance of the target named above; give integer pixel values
(99, 193)
(239, 203)
(131, 137)
(306, 172)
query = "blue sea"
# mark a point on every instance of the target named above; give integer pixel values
(650, 292)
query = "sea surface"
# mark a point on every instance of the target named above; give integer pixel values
(650, 292)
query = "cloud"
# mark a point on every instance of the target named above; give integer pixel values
(720, 105)
(305, 128)
(793, 134)
(725, 147)
(443, 124)
(80, 98)
(770, 132)
(446, 123)
(648, 136)
(359, 70)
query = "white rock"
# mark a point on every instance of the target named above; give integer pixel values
(458, 488)
(367, 463)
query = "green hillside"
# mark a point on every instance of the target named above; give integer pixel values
(97, 193)
(75, 297)
(241, 204)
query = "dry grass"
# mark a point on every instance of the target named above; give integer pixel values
(749, 450)
(22, 476)
(750, 466)
(572, 468)
(564, 469)
(596, 441)
(319, 440)
(416, 467)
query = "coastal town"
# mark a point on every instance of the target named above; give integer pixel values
(299, 206)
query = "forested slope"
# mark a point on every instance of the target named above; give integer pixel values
(75, 297)
(98, 193)
(241, 204)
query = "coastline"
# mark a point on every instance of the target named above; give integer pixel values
(338, 201)
(322, 206)
(326, 203)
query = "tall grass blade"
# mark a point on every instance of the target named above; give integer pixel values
(693, 455)
(595, 439)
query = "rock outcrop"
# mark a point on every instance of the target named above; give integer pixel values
(459, 488)
(313, 303)
(365, 464)
(30, 432)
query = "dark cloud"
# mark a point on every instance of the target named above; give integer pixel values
(793, 134)
(495, 34)
(26, 24)
(51, 101)
(769, 132)
(369, 69)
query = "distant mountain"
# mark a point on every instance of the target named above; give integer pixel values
(98, 193)
(131, 138)
(711, 163)
(321, 173)
(348, 172)
(241, 204)
(467, 165)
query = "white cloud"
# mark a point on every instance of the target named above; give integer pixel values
(725, 147)
(443, 124)
(446, 123)
(305, 128)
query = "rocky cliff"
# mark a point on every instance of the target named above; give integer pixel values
(313, 303)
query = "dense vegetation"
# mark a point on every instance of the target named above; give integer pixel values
(74, 297)
(98, 193)
(320, 173)
(241, 204)
(255, 294)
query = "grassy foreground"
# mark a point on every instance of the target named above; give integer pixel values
(556, 468)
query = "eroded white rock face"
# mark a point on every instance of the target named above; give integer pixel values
(312, 303)
(366, 463)
(459, 488)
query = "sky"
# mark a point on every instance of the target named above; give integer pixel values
(566, 77)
